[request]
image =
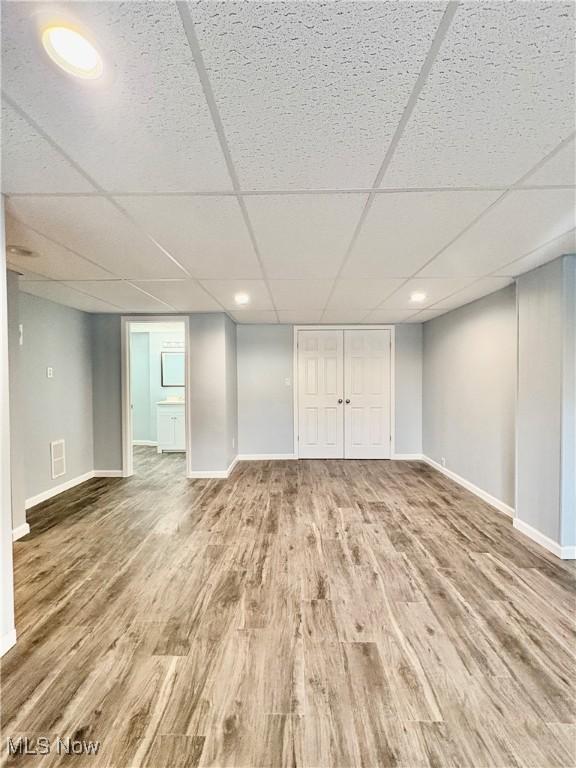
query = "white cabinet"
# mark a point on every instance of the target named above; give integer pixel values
(171, 426)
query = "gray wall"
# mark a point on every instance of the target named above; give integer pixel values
(60, 407)
(265, 403)
(408, 388)
(546, 400)
(469, 384)
(16, 405)
(568, 468)
(212, 427)
(231, 389)
(107, 391)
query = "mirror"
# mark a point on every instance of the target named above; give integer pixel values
(172, 371)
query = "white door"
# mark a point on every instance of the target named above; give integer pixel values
(367, 394)
(320, 394)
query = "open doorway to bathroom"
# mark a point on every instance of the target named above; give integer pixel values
(155, 370)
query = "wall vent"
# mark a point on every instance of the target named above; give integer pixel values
(58, 458)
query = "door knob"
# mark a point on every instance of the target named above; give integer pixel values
(340, 400)
(347, 401)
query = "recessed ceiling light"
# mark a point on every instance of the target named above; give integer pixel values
(417, 296)
(18, 250)
(241, 298)
(72, 52)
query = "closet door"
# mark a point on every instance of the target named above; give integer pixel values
(320, 395)
(367, 394)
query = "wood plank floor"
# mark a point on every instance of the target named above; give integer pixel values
(312, 613)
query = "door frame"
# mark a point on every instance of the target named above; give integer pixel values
(357, 327)
(127, 321)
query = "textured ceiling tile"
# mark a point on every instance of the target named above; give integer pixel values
(300, 294)
(51, 260)
(254, 316)
(63, 294)
(475, 291)
(389, 315)
(361, 294)
(560, 246)
(425, 315)
(560, 169)
(225, 290)
(145, 124)
(94, 228)
(344, 316)
(118, 292)
(183, 295)
(522, 221)
(207, 235)
(310, 93)
(304, 236)
(402, 231)
(499, 98)
(300, 317)
(434, 289)
(31, 164)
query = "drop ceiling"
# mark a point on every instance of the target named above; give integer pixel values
(327, 159)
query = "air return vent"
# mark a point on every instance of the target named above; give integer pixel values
(58, 457)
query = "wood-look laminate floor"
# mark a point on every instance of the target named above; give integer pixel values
(313, 613)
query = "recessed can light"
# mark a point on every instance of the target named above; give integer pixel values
(72, 52)
(18, 250)
(241, 298)
(417, 296)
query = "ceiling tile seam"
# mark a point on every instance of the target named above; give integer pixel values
(554, 151)
(196, 52)
(494, 272)
(512, 188)
(429, 60)
(103, 193)
(146, 293)
(63, 283)
(295, 192)
(64, 247)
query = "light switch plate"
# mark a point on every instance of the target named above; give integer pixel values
(50, 372)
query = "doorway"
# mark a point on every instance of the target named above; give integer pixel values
(344, 393)
(155, 403)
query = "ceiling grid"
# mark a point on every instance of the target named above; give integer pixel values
(245, 155)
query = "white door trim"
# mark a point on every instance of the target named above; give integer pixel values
(127, 320)
(391, 328)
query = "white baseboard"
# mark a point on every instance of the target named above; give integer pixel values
(484, 495)
(45, 495)
(22, 530)
(206, 474)
(144, 442)
(407, 457)
(7, 641)
(564, 553)
(267, 457)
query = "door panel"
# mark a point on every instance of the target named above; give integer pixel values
(367, 386)
(320, 386)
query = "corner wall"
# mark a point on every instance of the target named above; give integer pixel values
(59, 407)
(546, 406)
(469, 393)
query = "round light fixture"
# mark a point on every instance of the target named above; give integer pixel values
(241, 298)
(417, 296)
(20, 251)
(72, 52)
